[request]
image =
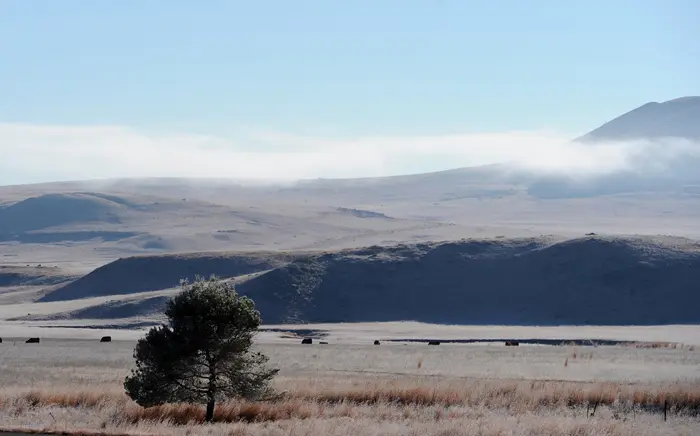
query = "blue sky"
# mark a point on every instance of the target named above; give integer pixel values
(337, 70)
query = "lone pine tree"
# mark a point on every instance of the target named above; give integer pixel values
(203, 354)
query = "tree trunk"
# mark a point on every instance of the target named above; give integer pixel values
(211, 393)
(210, 410)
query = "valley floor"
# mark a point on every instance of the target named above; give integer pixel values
(395, 388)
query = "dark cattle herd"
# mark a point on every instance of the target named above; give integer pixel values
(510, 343)
(38, 340)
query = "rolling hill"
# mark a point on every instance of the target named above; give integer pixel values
(467, 245)
(599, 281)
(153, 273)
(525, 281)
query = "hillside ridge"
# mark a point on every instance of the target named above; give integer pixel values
(678, 118)
(592, 280)
(151, 273)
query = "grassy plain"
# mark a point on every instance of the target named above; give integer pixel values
(390, 389)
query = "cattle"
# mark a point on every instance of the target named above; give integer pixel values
(306, 341)
(376, 342)
(323, 343)
(106, 339)
(434, 343)
(512, 343)
(0, 340)
(32, 341)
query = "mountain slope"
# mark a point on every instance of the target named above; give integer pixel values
(678, 118)
(66, 223)
(604, 281)
(526, 281)
(152, 273)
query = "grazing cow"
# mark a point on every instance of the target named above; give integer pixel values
(32, 341)
(106, 339)
(323, 343)
(376, 342)
(434, 343)
(0, 340)
(512, 343)
(306, 341)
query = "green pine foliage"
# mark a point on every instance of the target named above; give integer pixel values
(203, 354)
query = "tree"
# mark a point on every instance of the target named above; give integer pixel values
(202, 355)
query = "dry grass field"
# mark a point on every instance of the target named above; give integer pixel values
(390, 389)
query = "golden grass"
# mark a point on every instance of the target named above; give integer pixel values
(526, 396)
(399, 406)
(375, 391)
(304, 402)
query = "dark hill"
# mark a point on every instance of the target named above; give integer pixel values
(52, 210)
(679, 118)
(32, 276)
(112, 310)
(526, 282)
(150, 273)
(533, 281)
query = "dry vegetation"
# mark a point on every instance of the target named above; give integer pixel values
(399, 406)
(71, 386)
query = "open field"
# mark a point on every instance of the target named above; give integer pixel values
(79, 226)
(358, 388)
(364, 333)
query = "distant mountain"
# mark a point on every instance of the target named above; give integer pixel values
(679, 118)
(96, 222)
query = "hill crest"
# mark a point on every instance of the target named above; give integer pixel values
(676, 118)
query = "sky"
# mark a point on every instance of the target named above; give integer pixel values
(303, 89)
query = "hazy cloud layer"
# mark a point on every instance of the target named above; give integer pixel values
(37, 153)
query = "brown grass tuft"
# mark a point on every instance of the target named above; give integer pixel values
(517, 397)
(72, 398)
